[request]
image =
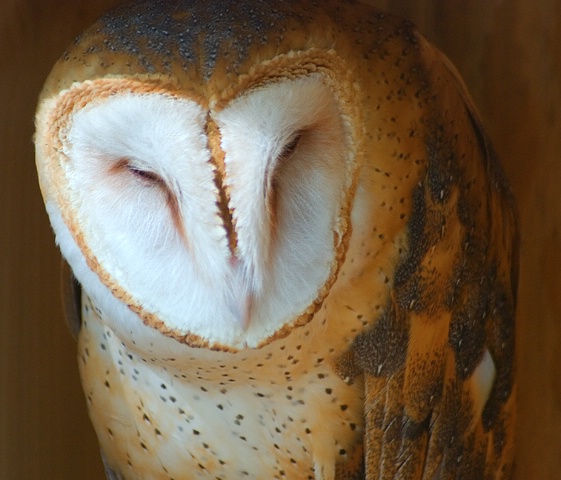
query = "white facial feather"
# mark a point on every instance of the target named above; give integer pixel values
(128, 222)
(289, 256)
(124, 321)
(143, 191)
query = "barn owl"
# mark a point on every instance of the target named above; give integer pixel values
(293, 250)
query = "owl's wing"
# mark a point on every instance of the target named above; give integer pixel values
(438, 363)
(71, 299)
(110, 474)
(72, 302)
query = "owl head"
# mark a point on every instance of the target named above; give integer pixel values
(198, 162)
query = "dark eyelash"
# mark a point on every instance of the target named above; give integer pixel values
(290, 147)
(144, 175)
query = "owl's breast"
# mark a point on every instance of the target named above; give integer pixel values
(276, 412)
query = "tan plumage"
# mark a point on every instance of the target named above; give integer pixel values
(399, 364)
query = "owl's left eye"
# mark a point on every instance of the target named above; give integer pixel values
(290, 147)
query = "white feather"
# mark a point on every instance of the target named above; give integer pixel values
(481, 383)
(178, 265)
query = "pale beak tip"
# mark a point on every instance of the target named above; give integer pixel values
(245, 316)
(241, 311)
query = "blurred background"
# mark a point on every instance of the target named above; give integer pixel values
(509, 53)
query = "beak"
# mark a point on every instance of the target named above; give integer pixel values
(241, 298)
(241, 306)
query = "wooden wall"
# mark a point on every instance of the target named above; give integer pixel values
(509, 52)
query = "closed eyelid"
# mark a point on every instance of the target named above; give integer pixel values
(129, 166)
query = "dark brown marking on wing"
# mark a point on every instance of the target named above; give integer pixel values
(381, 350)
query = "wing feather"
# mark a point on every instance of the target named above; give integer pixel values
(72, 303)
(71, 299)
(438, 362)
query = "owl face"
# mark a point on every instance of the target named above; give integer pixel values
(218, 221)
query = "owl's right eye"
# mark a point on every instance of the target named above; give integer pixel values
(144, 175)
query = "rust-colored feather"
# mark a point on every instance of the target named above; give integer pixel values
(453, 298)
